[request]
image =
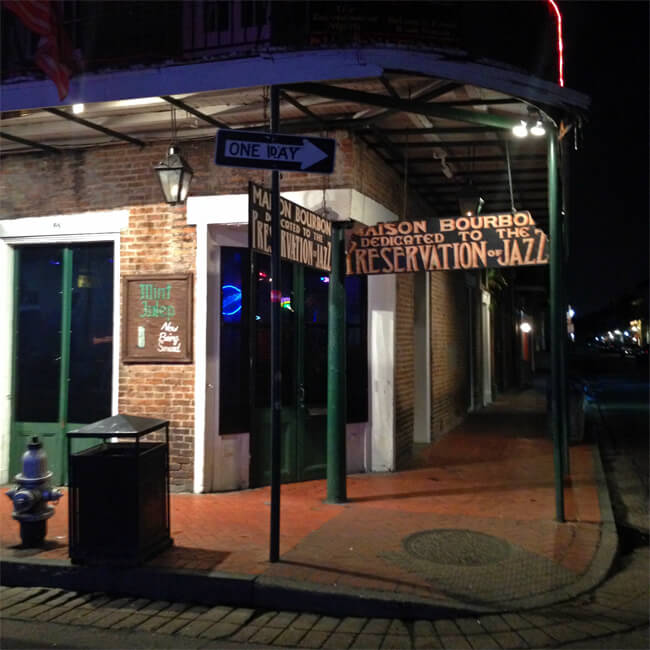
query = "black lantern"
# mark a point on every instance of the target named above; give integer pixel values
(175, 176)
(470, 201)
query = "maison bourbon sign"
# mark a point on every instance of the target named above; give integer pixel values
(484, 241)
(305, 237)
(158, 319)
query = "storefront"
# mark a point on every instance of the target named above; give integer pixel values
(82, 215)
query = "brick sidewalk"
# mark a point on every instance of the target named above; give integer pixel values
(489, 482)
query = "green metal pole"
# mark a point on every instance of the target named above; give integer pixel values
(64, 367)
(564, 382)
(336, 380)
(565, 394)
(557, 318)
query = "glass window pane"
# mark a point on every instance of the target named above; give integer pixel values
(91, 335)
(263, 333)
(38, 337)
(315, 324)
(233, 382)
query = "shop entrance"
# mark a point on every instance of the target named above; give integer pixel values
(63, 343)
(304, 374)
(245, 363)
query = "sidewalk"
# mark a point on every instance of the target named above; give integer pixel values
(470, 529)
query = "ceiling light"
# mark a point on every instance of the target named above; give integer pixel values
(521, 130)
(538, 129)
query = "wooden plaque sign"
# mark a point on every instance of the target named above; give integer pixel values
(478, 242)
(158, 319)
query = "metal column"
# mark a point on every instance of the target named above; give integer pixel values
(336, 376)
(558, 322)
(276, 361)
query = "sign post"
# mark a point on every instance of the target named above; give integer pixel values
(276, 361)
(296, 234)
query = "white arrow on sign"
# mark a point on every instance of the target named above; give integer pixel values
(307, 155)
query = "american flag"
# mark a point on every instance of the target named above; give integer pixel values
(54, 51)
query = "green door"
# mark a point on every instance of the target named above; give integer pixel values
(62, 347)
(304, 374)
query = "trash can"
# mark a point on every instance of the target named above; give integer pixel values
(119, 492)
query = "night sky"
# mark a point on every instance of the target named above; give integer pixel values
(606, 48)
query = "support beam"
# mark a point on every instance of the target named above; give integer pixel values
(193, 111)
(29, 143)
(336, 372)
(405, 105)
(558, 322)
(445, 130)
(475, 159)
(304, 109)
(102, 129)
(276, 359)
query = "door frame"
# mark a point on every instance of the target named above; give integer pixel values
(87, 227)
(221, 462)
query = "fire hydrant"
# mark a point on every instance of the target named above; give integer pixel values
(31, 495)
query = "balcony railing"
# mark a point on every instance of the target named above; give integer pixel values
(118, 34)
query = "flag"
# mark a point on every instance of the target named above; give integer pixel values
(54, 51)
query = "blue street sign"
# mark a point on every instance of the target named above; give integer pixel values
(292, 153)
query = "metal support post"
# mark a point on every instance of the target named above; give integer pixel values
(276, 362)
(558, 321)
(336, 381)
(566, 404)
(66, 325)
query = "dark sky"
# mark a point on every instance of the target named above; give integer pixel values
(607, 51)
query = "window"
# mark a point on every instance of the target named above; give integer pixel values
(234, 344)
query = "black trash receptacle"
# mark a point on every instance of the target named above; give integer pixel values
(119, 492)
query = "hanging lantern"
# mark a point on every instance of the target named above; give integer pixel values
(175, 176)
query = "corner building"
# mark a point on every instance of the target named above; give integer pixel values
(82, 218)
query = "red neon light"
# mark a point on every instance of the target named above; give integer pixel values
(560, 43)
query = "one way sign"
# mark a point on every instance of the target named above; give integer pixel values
(291, 153)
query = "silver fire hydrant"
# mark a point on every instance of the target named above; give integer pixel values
(30, 497)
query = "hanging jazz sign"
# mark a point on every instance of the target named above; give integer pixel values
(485, 241)
(305, 237)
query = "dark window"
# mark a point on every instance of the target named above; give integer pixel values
(233, 381)
(234, 339)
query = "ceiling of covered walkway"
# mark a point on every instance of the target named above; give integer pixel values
(438, 134)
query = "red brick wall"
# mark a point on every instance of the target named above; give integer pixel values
(158, 240)
(449, 351)
(404, 369)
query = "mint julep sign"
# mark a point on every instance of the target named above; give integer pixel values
(482, 241)
(158, 319)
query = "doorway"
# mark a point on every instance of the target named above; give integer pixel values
(304, 373)
(63, 346)
(245, 364)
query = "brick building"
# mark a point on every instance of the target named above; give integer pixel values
(81, 213)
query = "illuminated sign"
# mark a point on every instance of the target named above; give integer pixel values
(485, 241)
